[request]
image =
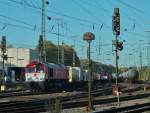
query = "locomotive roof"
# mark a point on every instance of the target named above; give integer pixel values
(51, 65)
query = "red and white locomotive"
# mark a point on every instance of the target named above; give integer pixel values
(46, 75)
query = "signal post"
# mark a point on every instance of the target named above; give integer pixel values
(88, 36)
(118, 46)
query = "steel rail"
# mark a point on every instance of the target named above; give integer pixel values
(41, 104)
(128, 109)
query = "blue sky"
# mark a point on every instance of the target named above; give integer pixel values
(20, 22)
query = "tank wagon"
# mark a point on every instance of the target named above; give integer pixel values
(132, 75)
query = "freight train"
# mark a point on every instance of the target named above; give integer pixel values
(44, 76)
(39, 75)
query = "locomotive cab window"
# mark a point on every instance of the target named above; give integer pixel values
(39, 69)
(30, 69)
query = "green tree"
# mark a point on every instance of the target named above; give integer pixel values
(98, 67)
(52, 52)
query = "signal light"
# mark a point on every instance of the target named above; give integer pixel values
(117, 25)
(116, 22)
(120, 45)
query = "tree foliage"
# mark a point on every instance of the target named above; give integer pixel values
(52, 53)
(98, 67)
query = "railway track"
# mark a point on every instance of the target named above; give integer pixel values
(102, 92)
(28, 92)
(71, 104)
(70, 97)
(21, 93)
(36, 106)
(138, 108)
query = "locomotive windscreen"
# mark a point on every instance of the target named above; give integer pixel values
(39, 69)
(35, 72)
(30, 69)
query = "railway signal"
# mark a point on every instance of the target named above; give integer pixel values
(118, 46)
(116, 22)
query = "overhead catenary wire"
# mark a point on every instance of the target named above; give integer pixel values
(16, 20)
(65, 15)
(83, 20)
(31, 29)
(20, 3)
(90, 13)
(15, 25)
(20, 20)
(97, 3)
(134, 8)
(70, 18)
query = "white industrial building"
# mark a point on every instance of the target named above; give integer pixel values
(19, 57)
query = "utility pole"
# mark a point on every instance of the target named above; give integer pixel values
(43, 30)
(62, 53)
(140, 58)
(4, 57)
(141, 62)
(42, 50)
(58, 36)
(148, 55)
(73, 51)
(58, 59)
(88, 36)
(148, 48)
(73, 54)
